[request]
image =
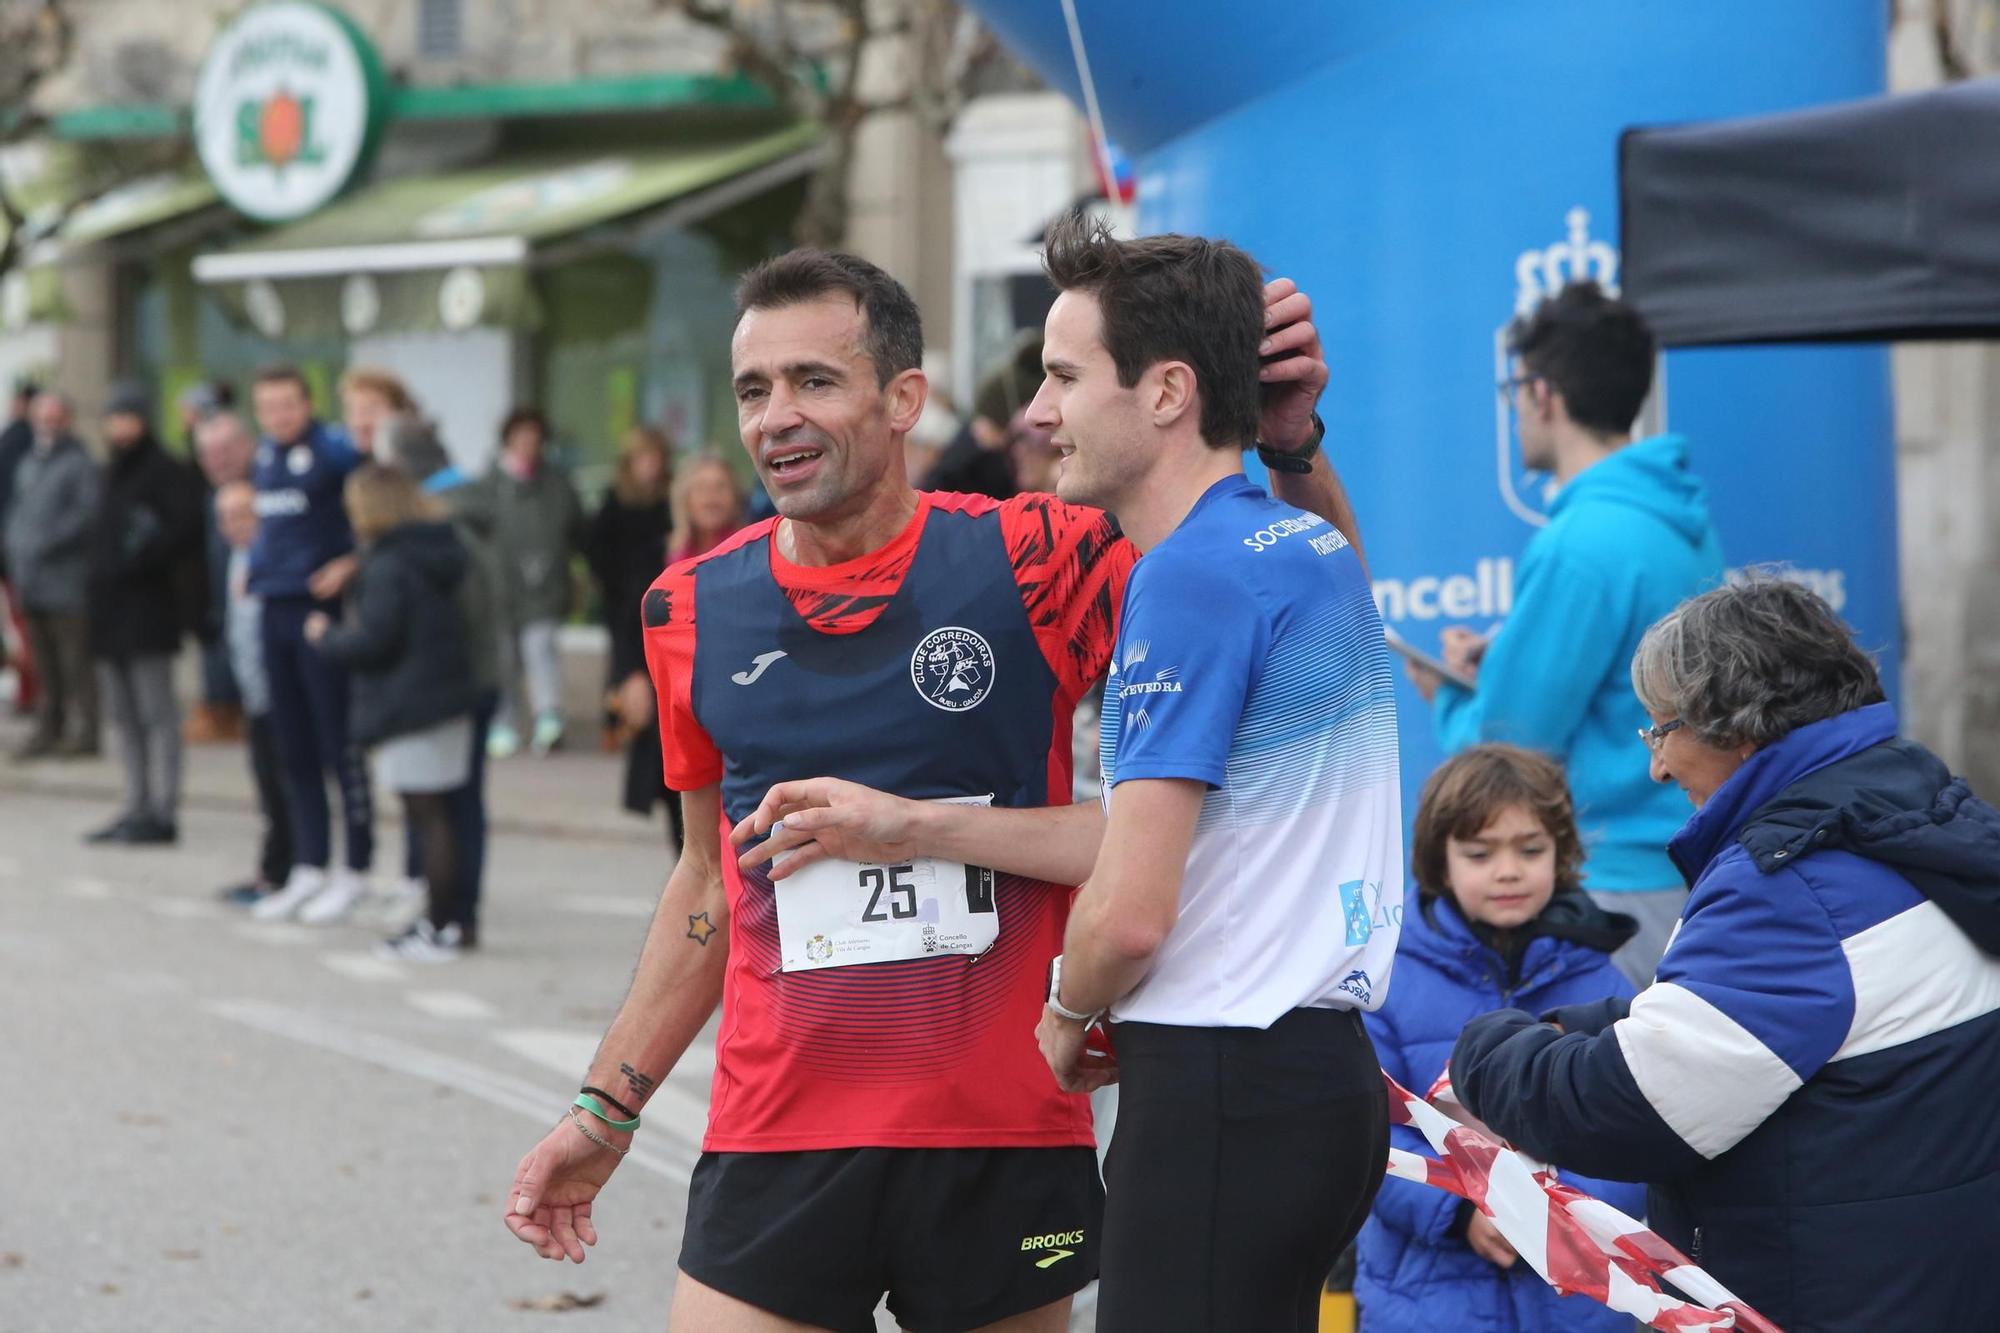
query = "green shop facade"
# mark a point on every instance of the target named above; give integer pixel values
(569, 245)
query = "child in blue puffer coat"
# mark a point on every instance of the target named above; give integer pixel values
(1502, 923)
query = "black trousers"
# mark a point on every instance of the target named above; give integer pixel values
(274, 857)
(1244, 1161)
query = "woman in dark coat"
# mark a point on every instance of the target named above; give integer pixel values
(147, 533)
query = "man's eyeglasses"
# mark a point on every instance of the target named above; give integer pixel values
(1654, 736)
(1505, 388)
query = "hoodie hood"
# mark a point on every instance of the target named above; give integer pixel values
(1447, 940)
(1897, 804)
(1652, 475)
(432, 550)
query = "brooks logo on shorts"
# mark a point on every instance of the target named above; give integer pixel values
(1057, 1244)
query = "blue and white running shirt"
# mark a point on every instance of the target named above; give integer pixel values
(1250, 657)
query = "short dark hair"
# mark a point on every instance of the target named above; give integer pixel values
(1172, 298)
(1594, 350)
(524, 415)
(1753, 661)
(894, 340)
(283, 372)
(1469, 790)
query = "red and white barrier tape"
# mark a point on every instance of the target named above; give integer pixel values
(1578, 1244)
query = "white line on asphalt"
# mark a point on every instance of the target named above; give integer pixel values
(604, 904)
(93, 890)
(182, 908)
(453, 1004)
(363, 967)
(683, 1095)
(538, 1103)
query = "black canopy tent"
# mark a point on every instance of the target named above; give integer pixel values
(1864, 221)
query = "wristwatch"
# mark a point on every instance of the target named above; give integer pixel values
(1298, 460)
(1055, 996)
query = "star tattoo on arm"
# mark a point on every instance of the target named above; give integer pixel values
(700, 928)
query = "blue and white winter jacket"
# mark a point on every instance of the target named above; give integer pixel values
(1809, 1085)
(1415, 1273)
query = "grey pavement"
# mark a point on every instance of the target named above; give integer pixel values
(218, 1125)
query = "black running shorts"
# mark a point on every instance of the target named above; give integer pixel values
(1243, 1162)
(957, 1237)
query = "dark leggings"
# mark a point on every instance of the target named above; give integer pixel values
(429, 817)
(1244, 1161)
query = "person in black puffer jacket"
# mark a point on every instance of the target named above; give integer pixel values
(148, 527)
(406, 648)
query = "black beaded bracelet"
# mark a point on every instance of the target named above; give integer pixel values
(610, 1101)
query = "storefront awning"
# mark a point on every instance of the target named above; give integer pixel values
(495, 214)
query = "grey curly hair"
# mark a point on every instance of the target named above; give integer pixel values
(1751, 662)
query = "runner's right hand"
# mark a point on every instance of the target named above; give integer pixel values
(827, 817)
(549, 1204)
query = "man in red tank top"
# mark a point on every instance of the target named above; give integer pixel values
(881, 1121)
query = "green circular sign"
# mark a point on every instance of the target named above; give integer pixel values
(288, 108)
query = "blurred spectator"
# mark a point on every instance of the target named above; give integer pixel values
(370, 396)
(48, 526)
(937, 427)
(15, 440)
(227, 452)
(302, 534)
(1502, 920)
(197, 403)
(1628, 538)
(147, 526)
(537, 523)
(1808, 1086)
(236, 510)
(976, 461)
(709, 506)
(1032, 456)
(405, 644)
(627, 549)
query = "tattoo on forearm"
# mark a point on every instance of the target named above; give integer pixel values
(700, 928)
(641, 1084)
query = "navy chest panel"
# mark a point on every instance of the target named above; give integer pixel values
(945, 694)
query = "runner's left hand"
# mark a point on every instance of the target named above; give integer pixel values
(1294, 371)
(1077, 1067)
(827, 817)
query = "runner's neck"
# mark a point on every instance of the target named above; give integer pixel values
(852, 536)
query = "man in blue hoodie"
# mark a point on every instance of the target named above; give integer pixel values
(1628, 539)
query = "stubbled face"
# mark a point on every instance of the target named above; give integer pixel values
(1696, 766)
(283, 410)
(1094, 422)
(1505, 874)
(821, 430)
(49, 416)
(363, 410)
(711, 500)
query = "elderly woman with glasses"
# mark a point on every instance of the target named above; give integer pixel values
(1808, 1086)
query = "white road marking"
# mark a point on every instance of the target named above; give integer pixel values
(682, 1100)
(277, 932)
(91, 890)
(451, 1004)
(538, 1103)
(604, 904)
(363, 967)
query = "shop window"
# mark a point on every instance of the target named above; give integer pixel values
(440, 29)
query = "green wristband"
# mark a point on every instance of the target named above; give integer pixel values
(596, 1108)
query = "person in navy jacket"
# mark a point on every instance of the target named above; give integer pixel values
(1503, 922)
(1807, 1087)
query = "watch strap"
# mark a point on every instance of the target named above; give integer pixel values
(1298, 460)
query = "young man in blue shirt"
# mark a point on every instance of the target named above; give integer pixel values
(1242, 895)
(301, 470)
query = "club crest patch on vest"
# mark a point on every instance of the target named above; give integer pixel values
(952, 668)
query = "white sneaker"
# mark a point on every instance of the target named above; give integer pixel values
(422, 943)
(301, 886)
(336, 900)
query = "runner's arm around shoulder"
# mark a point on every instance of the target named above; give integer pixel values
(679, 979)
(819, 818)
(1129, 904)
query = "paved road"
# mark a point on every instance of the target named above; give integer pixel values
(221, 1125)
